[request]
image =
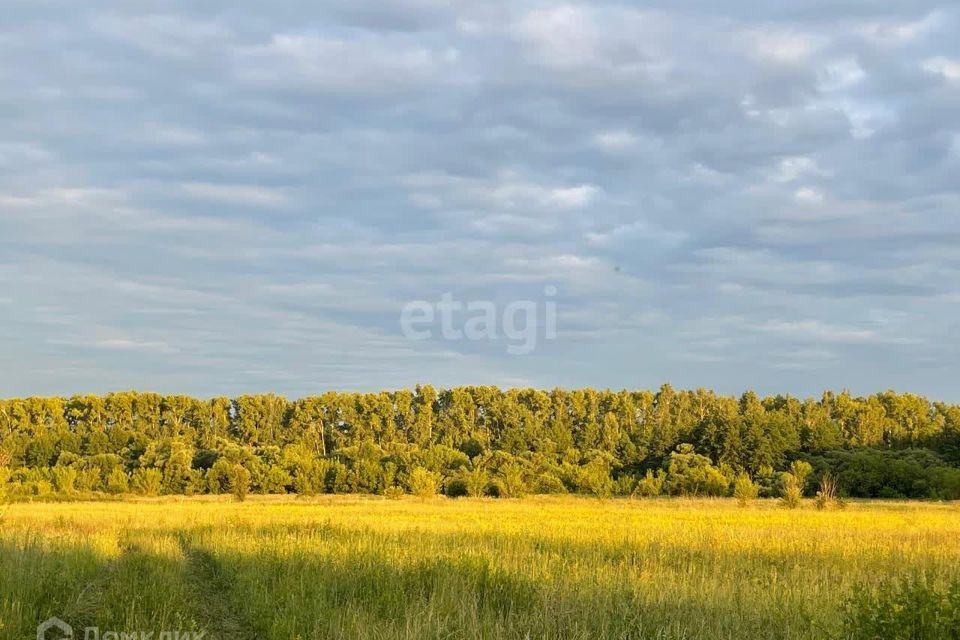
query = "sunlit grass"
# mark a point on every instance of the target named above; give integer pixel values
(356, 567)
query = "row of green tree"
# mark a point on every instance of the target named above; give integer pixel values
(479, 441)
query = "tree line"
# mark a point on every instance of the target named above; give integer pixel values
(479, 441)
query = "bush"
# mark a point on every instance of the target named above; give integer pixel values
(65, 480)
(455, 488)
(31, 482)
(423, 483)
(910, 473)
(549, 483)
(745, 490)
(218, 476)
(791, 491)
(4, 482)
(309, 476)
(276, 480)
(174, 457)
(495, 488)
(475, 482)
(594, 477)
(691, 474)
(768, 481)
(147, 482)
(337, 476)
(908, 608)
(827, 495)
(651, 485)
(512, 484)
(117, 481)
(89, 479)
(239, 482)
(801, 470)
(393, 492)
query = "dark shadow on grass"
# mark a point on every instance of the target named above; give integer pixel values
(280, 591)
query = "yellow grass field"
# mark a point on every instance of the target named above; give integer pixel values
(280, 568)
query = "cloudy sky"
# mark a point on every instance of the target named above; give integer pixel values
(201, 198)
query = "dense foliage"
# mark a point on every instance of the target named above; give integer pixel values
(904, 608)
(479, 440)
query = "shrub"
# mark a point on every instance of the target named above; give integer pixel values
(423, 483)
(512, 484)
(147, 482)
(39, 487)
(174, 457)
(495, 488)
(549, 483)
(476, 481)
(218, 476)
(309, 475)
(276, 480)
(909, 473)
(455, 488)
(651, 485)
(745, 490)
(4, 474)
(393, 492)
(117, 481)
(337, 476)
(769, 482)
(65, 480)
(239, 482)
(594, 477)
(89, 479)
(367, 476)
(908, 608)
(4, 482)
(31, 482)
(827, 495)
(801, 470)
(791, 492)
(691, 474)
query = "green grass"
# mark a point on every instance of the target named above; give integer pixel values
(355, 567)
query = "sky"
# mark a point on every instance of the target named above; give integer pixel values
(216, 199)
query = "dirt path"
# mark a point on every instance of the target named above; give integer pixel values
(212, 601)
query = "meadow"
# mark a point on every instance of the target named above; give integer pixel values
(284, 568)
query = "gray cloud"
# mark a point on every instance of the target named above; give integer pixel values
(204, 199)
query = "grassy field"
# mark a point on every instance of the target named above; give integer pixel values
(357, 567)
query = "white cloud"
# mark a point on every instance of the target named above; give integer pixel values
(171, 35)
(816, 330)
(892, 33)
(173, 135)
(572, 197)
(948, 68)
(795, 167)
(617, 140)
(561, 37)
(359, 65)
(783, 47)
(808, 195)
(638, 235)
(841, 74)
(241, 194)
(507, 192)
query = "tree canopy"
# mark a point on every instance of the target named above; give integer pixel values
(477, 440)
